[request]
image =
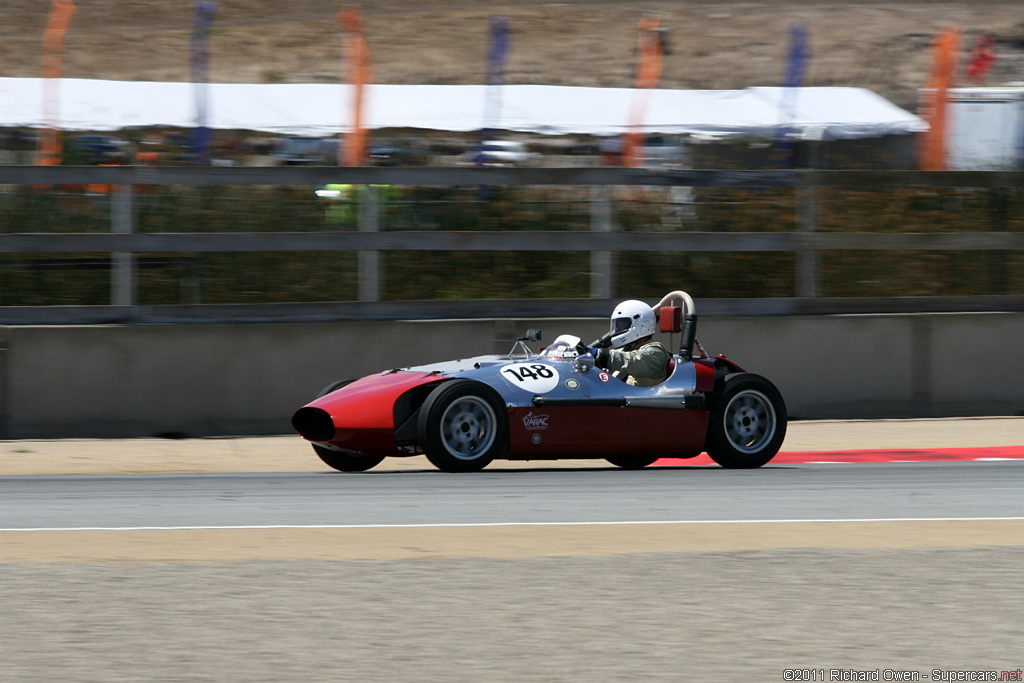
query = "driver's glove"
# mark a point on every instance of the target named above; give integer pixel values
(602, 357)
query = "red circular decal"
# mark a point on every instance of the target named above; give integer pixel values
(603, 376)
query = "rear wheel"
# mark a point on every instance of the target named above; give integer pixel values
(632, 462)
(747, 422)
(463, 426)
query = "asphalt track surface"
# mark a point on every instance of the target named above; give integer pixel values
(808, 492)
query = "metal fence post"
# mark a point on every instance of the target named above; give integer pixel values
(999, 211)
(602, 263)
(122, 264)
(369, 260)
(806, 259)
(4, 382)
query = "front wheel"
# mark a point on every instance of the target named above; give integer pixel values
(747, 422)
(463, 426)
(344, 461)
(334, 386)
(632, 462)
(347, 461)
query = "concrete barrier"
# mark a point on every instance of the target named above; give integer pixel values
(221, 379)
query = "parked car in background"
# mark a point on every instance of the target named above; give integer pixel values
(305, 151)
(98, 149)
(499, 153)
(18, 147)
(661, 151)
(399, 152)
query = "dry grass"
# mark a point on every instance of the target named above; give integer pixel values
(882, 46)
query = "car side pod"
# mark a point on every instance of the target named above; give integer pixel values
(691, 401)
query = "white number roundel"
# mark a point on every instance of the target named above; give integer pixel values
(537, 378)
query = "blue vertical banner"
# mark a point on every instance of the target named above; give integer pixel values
(497, 55)
(200, 62)
(796, 60)
(796, 67)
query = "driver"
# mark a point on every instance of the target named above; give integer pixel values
(633, 357)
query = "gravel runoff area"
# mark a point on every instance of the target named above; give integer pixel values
(630, 603)
(674, 616)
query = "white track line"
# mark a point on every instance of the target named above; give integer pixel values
(516, 524)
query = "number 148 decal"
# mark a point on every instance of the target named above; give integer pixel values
(537, 378)
(523, 372)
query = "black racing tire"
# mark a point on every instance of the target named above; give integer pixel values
(747, 423)
(463, 426)
(632, 462)
(334, 386)
(347, 461)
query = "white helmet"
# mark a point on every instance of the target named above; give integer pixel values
(631, 320)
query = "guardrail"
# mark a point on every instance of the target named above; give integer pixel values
(602, 241)
(469, 175)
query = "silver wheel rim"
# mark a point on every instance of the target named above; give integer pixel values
(468, 427)
(749, 421)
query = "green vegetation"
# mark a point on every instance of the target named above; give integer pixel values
(246, 277)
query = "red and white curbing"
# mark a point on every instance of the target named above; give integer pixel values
(987, 454)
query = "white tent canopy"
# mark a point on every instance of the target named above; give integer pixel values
(317, 109)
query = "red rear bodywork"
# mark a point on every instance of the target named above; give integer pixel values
(597, 432)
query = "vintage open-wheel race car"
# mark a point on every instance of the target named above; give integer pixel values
(551, 405)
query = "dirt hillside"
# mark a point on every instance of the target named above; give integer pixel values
(882, 46)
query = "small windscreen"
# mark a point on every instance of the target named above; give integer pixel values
(564, 347)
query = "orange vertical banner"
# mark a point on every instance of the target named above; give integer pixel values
(934, 99)
(53, 66)
(650, 56)
(352, 150)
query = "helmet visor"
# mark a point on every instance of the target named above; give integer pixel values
(620, 325)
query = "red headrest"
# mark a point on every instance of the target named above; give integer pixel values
(670, 319)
